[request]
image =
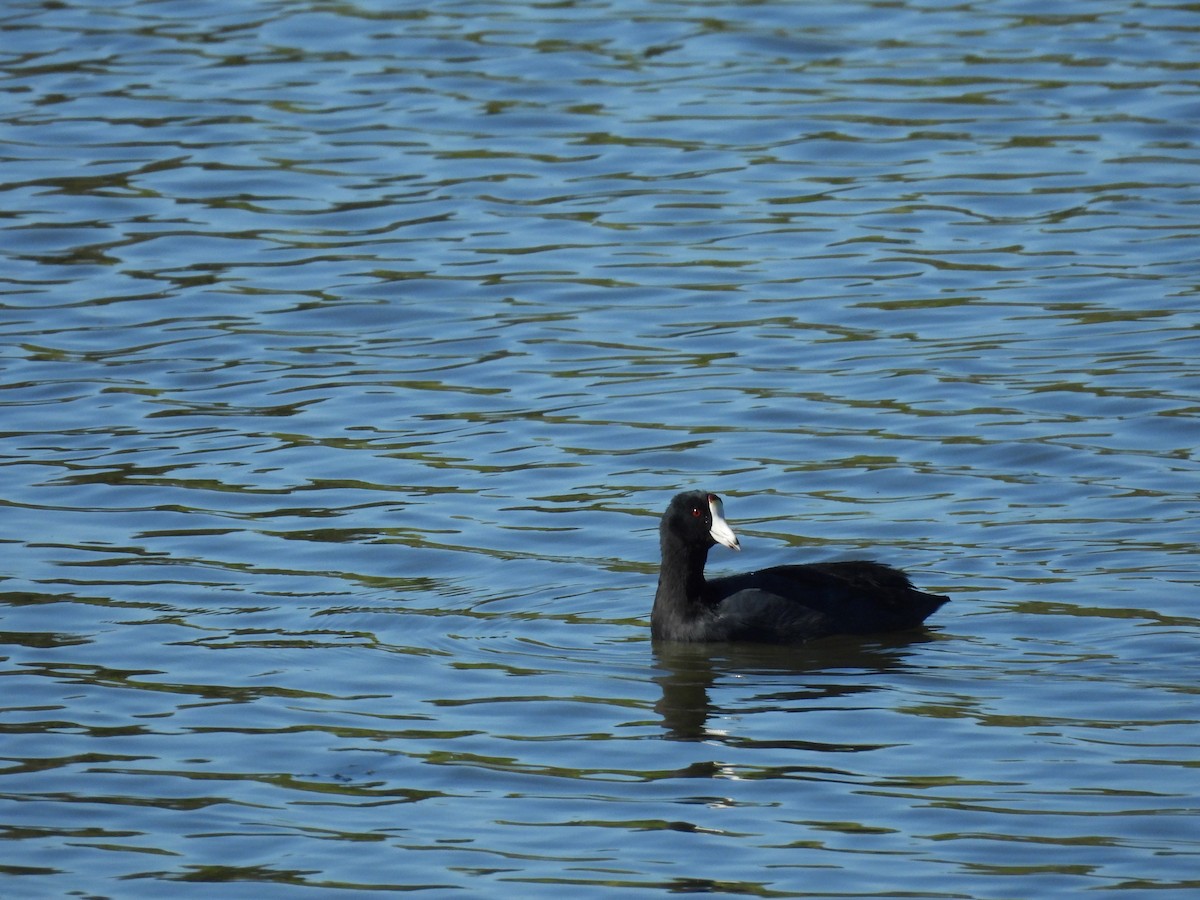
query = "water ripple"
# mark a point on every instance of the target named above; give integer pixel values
(349, 354)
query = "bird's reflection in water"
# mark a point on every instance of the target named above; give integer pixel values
(791, 677)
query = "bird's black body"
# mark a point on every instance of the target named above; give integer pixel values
(781, 605)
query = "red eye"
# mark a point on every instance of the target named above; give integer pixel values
(696, 511)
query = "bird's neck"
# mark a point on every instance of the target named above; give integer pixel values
(680, 580)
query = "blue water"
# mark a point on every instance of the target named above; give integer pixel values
(349, 353)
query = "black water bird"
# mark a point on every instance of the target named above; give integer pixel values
(780, 605)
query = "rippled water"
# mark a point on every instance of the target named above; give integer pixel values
(350, 352)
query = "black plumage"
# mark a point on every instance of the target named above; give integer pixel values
(782, 604)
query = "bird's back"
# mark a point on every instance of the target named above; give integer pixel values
(795, 603)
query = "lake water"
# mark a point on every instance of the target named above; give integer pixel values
(350, 352)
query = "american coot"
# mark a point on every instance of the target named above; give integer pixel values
(783, 604)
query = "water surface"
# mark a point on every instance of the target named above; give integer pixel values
(349, 353)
